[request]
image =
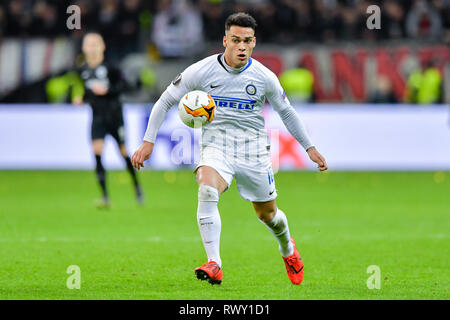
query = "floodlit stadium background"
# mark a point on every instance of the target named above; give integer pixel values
(354, 96)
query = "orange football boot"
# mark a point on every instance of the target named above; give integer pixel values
(294, 266)
(210, 271)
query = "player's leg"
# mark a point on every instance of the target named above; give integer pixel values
(211, 186)
(132, 171)
(276, 221)
(255, 182)
(117, 131)
(97, 146)
(209, 176)
(98, 132)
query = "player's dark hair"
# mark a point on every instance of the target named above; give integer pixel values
(240, 19)
(93, 31)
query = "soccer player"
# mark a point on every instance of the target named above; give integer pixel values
(239, 85)
(103, 84)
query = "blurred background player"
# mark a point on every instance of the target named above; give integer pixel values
(298, 83)
(384, 92)
(424, 86)
(103, 84)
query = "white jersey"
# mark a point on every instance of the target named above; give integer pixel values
(240, 96)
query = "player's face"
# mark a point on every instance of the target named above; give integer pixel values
(239, 43)
(93, 46)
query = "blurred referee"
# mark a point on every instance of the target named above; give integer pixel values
(103, 85)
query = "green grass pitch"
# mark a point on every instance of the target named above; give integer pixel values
(342, 222)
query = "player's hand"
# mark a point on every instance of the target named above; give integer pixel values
(143, 153)
(99, 89)
(77, 101)
(315, 156)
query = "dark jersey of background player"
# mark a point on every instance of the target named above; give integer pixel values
(103, 85)
(107, 115)
(110, 77)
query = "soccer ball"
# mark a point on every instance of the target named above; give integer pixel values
(196, 109)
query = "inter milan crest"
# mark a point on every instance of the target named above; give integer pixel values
(250, 89)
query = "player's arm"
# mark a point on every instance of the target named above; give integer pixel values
(182, 83)
(77, 89)
(159, 111)
(77, 83)
(277, 98)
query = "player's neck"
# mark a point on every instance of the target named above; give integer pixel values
(228, 64)
(231, 68)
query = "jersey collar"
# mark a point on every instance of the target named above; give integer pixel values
(229, 69)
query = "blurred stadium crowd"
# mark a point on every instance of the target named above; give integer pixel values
(279, 20)
(167, 29)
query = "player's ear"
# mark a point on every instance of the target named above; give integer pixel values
(224, 42)
(103, 45)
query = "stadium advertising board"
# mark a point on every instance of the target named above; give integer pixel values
(352, 137)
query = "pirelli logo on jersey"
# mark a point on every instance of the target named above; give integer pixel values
(234, 103)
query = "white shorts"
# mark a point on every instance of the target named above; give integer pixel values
(254, 175)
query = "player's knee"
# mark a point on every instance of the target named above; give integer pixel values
(97, 148)
(266, 214)
(207, 193)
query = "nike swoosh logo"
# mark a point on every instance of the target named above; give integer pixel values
(295, 270)
(212, 87)
(270, 193)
